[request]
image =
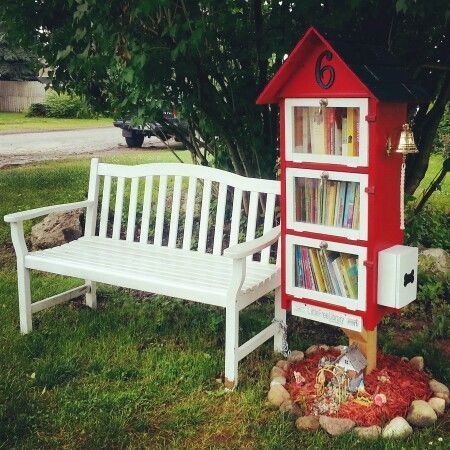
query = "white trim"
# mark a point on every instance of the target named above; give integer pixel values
(353, 161)
(348, 233)
(349, 303)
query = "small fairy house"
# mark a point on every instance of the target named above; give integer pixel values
(354, 363)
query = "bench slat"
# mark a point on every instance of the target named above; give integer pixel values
(220, 215)
(131, 225)
(105, 206)
(268, 223)
(118, 208)
(236, 217)
(160, 209)
(147, 207)
(251, 221)
(175, 214)
(204, 216)
(189, 219)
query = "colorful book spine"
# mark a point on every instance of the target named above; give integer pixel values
(356, 132)
(350, 131)
(344, 133)
(298, 130)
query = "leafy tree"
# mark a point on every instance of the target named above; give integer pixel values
(209, 60)
(15, 62)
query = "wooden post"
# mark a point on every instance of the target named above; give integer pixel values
(367, 342)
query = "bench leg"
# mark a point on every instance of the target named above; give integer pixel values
(24, 291)
(280, 316)
(91, 296)
(231, 344)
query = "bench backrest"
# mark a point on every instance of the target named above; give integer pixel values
(180, 205)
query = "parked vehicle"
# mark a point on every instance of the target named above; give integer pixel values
(134, 134)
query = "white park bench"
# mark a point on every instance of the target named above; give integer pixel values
(168, 261)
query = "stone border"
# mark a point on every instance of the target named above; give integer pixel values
(421, 413)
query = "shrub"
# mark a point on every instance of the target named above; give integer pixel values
(66, 106)
(429, 228)
(36, 110)
(61, 106)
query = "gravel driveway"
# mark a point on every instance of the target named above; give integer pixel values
(22, 148)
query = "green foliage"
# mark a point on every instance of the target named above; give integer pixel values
(16, 63)
(442, 139)
(209, 60)
(428, 228)
(36, 110)
(66, 106)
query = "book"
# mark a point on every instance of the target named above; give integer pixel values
(340, 213)
(338, 132)
(317, 270)
(349, 276)
(298, 130)
(350, 131)
(337, 266)
(356, 132)
(331, 257)
(356, 210)
(344, 134)
(317, 131)
(349, 205)
(331, 203)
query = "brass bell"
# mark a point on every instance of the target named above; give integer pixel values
(406, 144)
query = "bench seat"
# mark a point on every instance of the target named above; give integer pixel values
(175, 272)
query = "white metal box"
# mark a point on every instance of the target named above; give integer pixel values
(397, 276)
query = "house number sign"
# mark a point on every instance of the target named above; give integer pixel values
(324, 73)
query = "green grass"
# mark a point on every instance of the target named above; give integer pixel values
(17, 122)
(140, 371)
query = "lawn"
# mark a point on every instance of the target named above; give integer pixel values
(18, 122)
(140, 372)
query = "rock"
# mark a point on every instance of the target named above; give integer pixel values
(57, 229)
(421, 414)
(404, 359)
(296, 356)
(310, 423)
(372, 432)
(276, 372)
(397, 428)
(444, 396)
(437, 387)
(283, 364)
(311, 350)
(277, 395)
(336, 426)
(278, 380)
(417, 362)
(438, 404)
(435, 260)
(291, 408)
(324, 347)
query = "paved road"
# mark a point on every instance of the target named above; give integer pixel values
(30, 147)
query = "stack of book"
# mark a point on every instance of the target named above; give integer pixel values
(331, 131)
(332, 203)
(326, 271)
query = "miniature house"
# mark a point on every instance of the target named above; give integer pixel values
(354, 363)
(339, 103)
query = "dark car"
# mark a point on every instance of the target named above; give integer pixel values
(165, 129)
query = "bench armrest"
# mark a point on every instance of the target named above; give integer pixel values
(33, 213)
(249, 248)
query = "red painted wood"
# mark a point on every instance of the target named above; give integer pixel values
(296, 79)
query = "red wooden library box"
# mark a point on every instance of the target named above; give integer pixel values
(339, 103)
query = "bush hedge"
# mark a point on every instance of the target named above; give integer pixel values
(61, 106)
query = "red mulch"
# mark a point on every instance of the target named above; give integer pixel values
(406, 384)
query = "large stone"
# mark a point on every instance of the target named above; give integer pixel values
(276, 372)
(291, 408)
(444, 396)
(438, 404)
(335, 425)
(436, 259)
(277, 395)
(278, 380)
(283, 364)
(372, 432)
(417, 362)
(397, 428)
(310, 423)
(57, 229)
(438, 387)
(296, 356)
(421, 414)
